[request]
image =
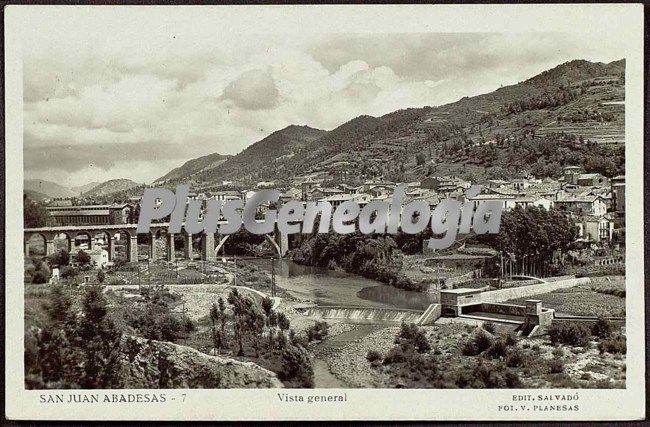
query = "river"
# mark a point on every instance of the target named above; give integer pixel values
(335, 288)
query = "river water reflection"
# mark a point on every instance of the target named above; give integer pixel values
(334, 288)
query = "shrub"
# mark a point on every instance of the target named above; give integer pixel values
(396, 355)
(512, 380)
(68, 271)
(482, 341)
(410, 333)
(82, 258)
(477, 344)
(470, 349)
(515, 358)
(39, 278)
(556, 365)
(297, 340)
(411, 366)
(497, 350)
(602, 328)
(373, 355)
(511, 340)
(614, 345)
(493, 375)
(296, 366)
(490, 327)
(189, 325)
(61, 258)
(101, 276)
(569, 333)
(318, 331)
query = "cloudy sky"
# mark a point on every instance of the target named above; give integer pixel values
(133, 99)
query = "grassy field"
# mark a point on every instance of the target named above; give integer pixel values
(588, 300)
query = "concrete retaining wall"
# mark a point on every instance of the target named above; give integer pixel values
(511, 309)
(501, 295)
(430, 315)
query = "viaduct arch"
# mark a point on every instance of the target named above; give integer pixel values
(279, 241)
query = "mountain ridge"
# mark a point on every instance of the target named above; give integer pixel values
(571, 98)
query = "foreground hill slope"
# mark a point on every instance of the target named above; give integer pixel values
(158, 364)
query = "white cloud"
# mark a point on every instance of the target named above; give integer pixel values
(164, 94)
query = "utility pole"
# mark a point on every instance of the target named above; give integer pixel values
(234, 258)
(272, 276)
(183, 316)
(501, 270)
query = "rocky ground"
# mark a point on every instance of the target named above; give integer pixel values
(346, 356)
(149, 362)
(583, 367)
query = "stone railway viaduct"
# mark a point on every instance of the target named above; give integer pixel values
(210, 243)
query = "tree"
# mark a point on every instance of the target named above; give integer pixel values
(60, 258)
(532, 234)
(215, 315)
(34, 214)
(222, 316)
(239, 311)
(76, 350)
(267, 307)
(273, 323)
(283, 324)
(58, 305)
(255, 322)
(102, 342)
(82, 258)
(42, 272)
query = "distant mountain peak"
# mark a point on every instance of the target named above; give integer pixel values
(111, 186)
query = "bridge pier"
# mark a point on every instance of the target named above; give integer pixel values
(187, 249)
(282, 242)
(133, 248)
(49, 246)
(152, 246)
(169, 247)
(207, 247)
(110, 247)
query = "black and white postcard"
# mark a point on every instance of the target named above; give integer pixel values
(389, 212)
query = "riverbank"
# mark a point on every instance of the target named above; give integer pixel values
(310, 286)
(370, 256)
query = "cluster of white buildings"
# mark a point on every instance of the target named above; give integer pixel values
(595, 203)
